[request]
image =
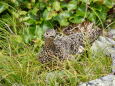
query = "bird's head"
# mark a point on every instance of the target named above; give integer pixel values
(50, 33)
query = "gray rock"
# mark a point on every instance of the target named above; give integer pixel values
(111, 33)
(107, 46)
(108, 80)
(17, 84)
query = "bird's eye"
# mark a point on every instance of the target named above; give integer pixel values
(46, 33)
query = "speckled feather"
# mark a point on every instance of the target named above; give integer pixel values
(69, 44)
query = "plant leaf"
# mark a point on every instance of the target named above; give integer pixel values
(64, 22)
(108, 3)
(3, 7)
(56, 5)
(91, 16)
(76, 19)
(72, 5)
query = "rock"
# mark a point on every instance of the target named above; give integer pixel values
(53, 76)
(108, 80)
(107, 46)
(111, 33)
(16, 84)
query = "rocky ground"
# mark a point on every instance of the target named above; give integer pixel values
(108, 46)
(108, 80)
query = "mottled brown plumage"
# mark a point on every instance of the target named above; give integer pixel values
(72, 43)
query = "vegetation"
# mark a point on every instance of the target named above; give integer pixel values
(22, 24)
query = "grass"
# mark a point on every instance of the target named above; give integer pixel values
(23, 68)
(19, 64)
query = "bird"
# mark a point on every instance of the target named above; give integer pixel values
(58, 46)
